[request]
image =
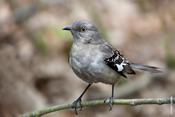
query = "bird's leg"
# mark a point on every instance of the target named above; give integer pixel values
(77, 103)
(110, 100)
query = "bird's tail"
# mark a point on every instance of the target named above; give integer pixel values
(147, 68)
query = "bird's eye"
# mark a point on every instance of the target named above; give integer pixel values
(83, 29)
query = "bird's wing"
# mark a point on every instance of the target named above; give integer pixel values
(117, 61)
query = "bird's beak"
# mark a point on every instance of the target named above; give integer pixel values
(67, 28)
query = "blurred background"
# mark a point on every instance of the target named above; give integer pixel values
(34, 70)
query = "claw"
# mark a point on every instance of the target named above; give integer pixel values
(109, 101)
(77, 104)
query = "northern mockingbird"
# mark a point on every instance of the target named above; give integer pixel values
(95, 60)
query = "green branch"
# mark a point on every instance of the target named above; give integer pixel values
(132, 102)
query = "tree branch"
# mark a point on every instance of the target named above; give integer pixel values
(132, 102)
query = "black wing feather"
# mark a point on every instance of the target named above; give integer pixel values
(118, 63)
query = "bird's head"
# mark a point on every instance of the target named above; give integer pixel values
(84, 31)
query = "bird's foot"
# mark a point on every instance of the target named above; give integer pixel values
(77, 104)
(109, 101)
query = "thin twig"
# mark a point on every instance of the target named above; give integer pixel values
(132, 102)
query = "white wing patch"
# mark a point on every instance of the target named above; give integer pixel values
(120, 66)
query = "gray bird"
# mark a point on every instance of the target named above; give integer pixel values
(95, 60)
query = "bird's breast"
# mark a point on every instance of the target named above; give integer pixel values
(89, 65)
